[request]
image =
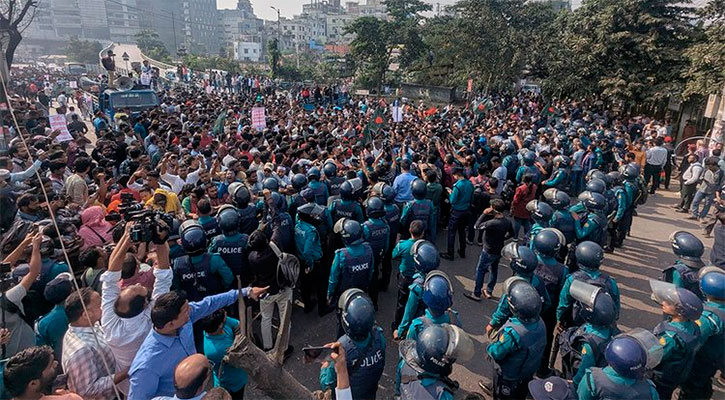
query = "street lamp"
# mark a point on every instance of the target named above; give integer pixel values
(279, 29)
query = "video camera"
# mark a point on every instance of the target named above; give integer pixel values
(151, 226)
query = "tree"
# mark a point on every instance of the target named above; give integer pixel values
(150, 44)
(15, 16)
(273, 54)
(83, 51)
(706, 73)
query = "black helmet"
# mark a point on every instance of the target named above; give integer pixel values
(595, 202)
(562, 161)
(351, 189)
(425, 256)
(374, 207)
(277, 202)
(329, 169)
(712, 282)
(313, 174)
(529, 157)
(589, 255)
(438, 347)
(311, 213)
(228, 219)
(594, 173)
(540, 211)
(388, 194)
(350, 230)
(357, 314)
(595, 305)
(193, 238)
(524, 300)
(556, 198)
(299, 181)
(615, 177)
(419, 189)
(437, 292)
(271, 184)
(688, 248)
(626, 356)
(523, 259)
(629, 171)
(686, 303)
(240, 194)
(596, 185)
(549, 241)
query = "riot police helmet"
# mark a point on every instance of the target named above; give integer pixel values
(311, 213)
(228, 219)
(357, 314)
(193, 238)
(523, 259)
(589, 255)
(313, 174)
(425, 256)
(374, 207)
(596, 185)
(627, 357)
(549, 241)
(437, 292)
(556, 198)
(271, 184)
(529, 157)
(712, 282)
(329, 169)
(240, 194)
(540, 211)
(438, 347)
(350, 230)
(524, 300)
(419, 189)
(688, 248)
(686, 303)
(299, 181)
(351, 189)
(596, 305)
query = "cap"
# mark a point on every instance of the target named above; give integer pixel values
(553, 388)
(269, 166)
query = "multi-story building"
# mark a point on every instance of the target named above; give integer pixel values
(242, 32)
(298, 32)
(123, 21)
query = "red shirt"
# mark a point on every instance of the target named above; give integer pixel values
(522, 196)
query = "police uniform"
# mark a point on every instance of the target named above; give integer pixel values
(248, 221)
(232, 249)
(344, 208)
(280, 230)
(416, 385)
(503, 312)
(333, 185)
(528, 169)
(406, 271)
(596, 278)
(711, 355)
(683, 276)
(559, 179)
(351, 268)
(202, 275)
(460, 199)
(679, 341)
(210, 226)
(582, 348)
(392, 217)
(414, 306)
(593, 229)
(448, 317)
(309, 251)
(606, 383)
(623, 203)
(632, 195)
(535, 229)
(422, 210)
(319, 189)
(376, 233)
(564, 222)
(517, 353)
(511, 163)
(553, 274)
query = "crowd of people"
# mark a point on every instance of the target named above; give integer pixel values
(124, 259)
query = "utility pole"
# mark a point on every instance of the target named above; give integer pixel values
(173, 28)
(279, 25)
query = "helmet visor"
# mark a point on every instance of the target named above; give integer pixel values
(650, 344)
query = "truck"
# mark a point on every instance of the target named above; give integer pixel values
(135, 100)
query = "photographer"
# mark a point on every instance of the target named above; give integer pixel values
(95, 230)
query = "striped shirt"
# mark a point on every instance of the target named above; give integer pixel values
(83, 362)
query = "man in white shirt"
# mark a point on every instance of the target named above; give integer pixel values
(500, 173)
(126, 314)
(177, 182)
(656, 160)
(690, 179)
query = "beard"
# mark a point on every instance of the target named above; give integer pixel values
(46, 384)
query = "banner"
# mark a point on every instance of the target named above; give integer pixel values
(469, 88)
(58, 121)
(258, 120)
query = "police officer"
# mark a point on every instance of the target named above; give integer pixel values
(561, 219)
(309, 251)
(679, 335)
(711, 355)
(333, 181)
(583, 347)
(428, 361)
(623, 378)
(523, 263)
(529, 158)
(460, 198)
(364, 345)
(684, 272)
(318, 188)
(438, 300)
(406, 269)
(207, 221)
(392, 217)
(594, 226)
(630, 173)
(425, 259)
(248, 214)
(561, 177)
(589, 256)
(547, 245)
(541, 213)
(347, 206)
(271, 184)
(353, 264)
(518, 347)
(232, 245)
(619, 211)
(296, 200)
(510, 160)
(278, 225)
(175, 249)
(376, 234)
(420, 209)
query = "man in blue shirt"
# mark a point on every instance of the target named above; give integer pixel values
(401, 184)
(172, 339)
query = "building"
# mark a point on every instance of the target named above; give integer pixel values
(250, 49)
(123, 20)
(298, 32)
(335, 28)
(242, 32)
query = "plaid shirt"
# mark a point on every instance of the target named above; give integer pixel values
(84, 366)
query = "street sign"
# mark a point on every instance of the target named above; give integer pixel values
(125, 56)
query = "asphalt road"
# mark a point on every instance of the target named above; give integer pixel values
(644, 256)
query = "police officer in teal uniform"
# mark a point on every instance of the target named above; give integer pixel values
(299, 182)
(376, 233)
(510, 160)
(426, 259)
(594, 225)
(392, 217)
(561, 219)
(684, 272)
(364, 345)
(347, 206)
(541, 213)
(518, 347)
(309, 252)
(460, 198)
(711, 355)
(207, 221)
(679, 335)
(523, 263)
(420, 209)
(561, 177)
(589, 256)
(230, 244)
(438, 300)
(248, 213)
(406, 269)
(529, 158)
(630, 173)
(623, 377)
(622, 205)
(583, 347)
(319, 189)
(428, 362)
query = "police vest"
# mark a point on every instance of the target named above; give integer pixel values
(688, 277)
(233, 253)
(211, 228)
(392, 216)
(632, 188)
(344, 209)
(712, 352)
(283, 231)
(552, 275)
(295, 202)
(564, 183)
(606, 389)
(333, 185)
(377, 238)
(319, 192)
(248, 219)
(365, 365)
(356, 271)
(411, 387)
(675, 371)
(196, 279)
(565, 223)
(572, 342)
(611, 198)
(420, 210)
(531, 170)
(523, 363)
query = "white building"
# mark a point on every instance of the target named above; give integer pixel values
(249, 50)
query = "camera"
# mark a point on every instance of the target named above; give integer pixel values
(151, 226)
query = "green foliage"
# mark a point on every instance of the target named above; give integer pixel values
(706, 71)
(150, 44)
(198, 62)
(83, 51)
(274, 55)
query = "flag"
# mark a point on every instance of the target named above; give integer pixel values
(377, 121)
(480, 107)
(550, 111)
(430, 112)
(218, 128)
(397, 113)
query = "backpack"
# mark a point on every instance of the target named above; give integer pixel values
(288, 267)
